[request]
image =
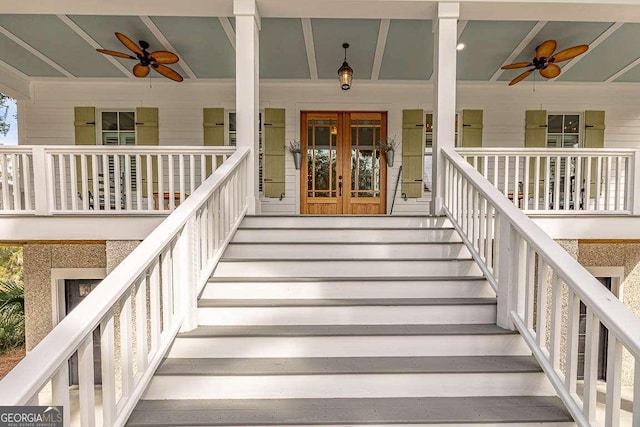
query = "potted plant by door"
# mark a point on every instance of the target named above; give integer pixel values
(388, 147)
(296, 151)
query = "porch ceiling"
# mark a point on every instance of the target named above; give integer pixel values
(39, 47)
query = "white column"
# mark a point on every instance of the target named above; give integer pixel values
(444, 94)
(247, 91)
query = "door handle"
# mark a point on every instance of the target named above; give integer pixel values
(340, 186)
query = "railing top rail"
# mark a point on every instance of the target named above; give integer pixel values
(30, 375)
(138, 149)
(10, 149)
(547, 151)
(609, 309)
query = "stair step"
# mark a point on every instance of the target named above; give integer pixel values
(337, 235)
(474, 410)
(328, 250)
(288, 341)
(347, 311)
(326, 288)
(329, 221)
(347, 268)
(347, 365)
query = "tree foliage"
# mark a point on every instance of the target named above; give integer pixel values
(4, 107)
(12, 326)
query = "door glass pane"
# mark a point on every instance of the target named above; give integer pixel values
(321, 158)
(365, 158)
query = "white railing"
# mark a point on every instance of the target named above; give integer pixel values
(532, 274)
(49, 180)
(560, 180)
(137, 310)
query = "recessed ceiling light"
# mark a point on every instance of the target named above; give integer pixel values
(460, 46)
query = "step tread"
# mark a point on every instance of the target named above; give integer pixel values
(346, 279)
(347, 365)
(343, 330)
(427, 410)
(343, 302)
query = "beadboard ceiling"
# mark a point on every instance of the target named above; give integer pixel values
(63, 46)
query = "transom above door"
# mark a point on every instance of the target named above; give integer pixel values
(343, 170)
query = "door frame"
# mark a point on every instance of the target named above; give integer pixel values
(58, 276)
(342, 124)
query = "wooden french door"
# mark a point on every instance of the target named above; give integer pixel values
(343, 170)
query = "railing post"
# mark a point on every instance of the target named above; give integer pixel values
(41, 188)
(507, 272)
(188, 276)
(633, 184)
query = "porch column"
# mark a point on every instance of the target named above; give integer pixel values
(247, 91)
(444, 95)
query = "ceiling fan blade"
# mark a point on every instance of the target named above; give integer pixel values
(141, 70)
(551, 71)
(130, 44)
(168, 72)
(570, 53)
(521, 77)
(116, 53)
(164, 57)
(546, 49)
(517, 65)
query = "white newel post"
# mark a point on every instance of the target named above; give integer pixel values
(508, 263)
(188, 280)
(247, 91)
(444, 96)
(633, 180)
(42, 187)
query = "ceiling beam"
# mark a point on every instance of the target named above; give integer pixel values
(35, 52)
(612, 29)
(380, 45)
(14, 82)
(623, 71)
(307, 32)
(228, 30)
(86, 37)
(166, 44)
(524, 43)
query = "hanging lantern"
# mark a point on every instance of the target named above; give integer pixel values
(345, 73)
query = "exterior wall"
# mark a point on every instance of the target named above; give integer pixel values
(48, 118)
(40, 258)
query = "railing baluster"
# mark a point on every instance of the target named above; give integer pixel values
(482, 224)
(592, 337)
(142, 351)
(168, 268)
(126, 356)
(172, 183)
(203, 167)
(556, 184)
(154, 303)
(505, 183)
(485, 169)
(150, 183)
(567, 183)
(614, 382)
(62, 175)
(556, 320)
(26, 162)
(181, 178)
(117, 183)
(536, 185)
(86, 383)
(598, 178)
(516, 179)
(106, 186)
(16, 183)
(73, 173)
(84, 176)
(617, 201)
(578, 188)
(60, 391)
(607, 183)
(160, 176)
(525, 186)
(107, 350)
(547, 182)
(530, 286)
(192, 174)
(587, 185)
(127, 182)
(139, 205)
(571, 355)
(4, 175)
(541, 323)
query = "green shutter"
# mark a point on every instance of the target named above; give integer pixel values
(471, 128)
(535, 135)
(412, 152)
(274, 164)
(213, 128)
(147, 134)
(593, 138)
(84, 122)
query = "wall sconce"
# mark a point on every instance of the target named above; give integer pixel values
(345, 73)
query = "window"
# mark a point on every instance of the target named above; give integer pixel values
(428, 130)
(118, 128)
(231, 141)
(563, 130)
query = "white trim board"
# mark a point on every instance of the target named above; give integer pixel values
(58, 276)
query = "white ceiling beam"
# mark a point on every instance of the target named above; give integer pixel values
(14, 82)
(624, 70)
(166, 44)
(35, 52)
(380, 45)
(612, 29)
(462, 24)
(524, 43)
(307, 32)
(228, 30)
(86, 37)
(551, 10)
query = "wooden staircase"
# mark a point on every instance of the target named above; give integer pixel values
(348, 321)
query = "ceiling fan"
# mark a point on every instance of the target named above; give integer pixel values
(545, 61)
(154, 60)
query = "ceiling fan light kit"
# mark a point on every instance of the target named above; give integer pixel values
(147, 60)
(546, 61)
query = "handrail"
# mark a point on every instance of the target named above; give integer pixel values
(395, 191)
(518, 256)
(173, 263)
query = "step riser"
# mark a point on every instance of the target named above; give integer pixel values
(349, 315)
(350, 346)
(344, 290)
(339, 251)
(343, 221)
(347, 269)
(345, 235)
(348, 386)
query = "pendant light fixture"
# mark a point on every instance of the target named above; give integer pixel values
(345, 73)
